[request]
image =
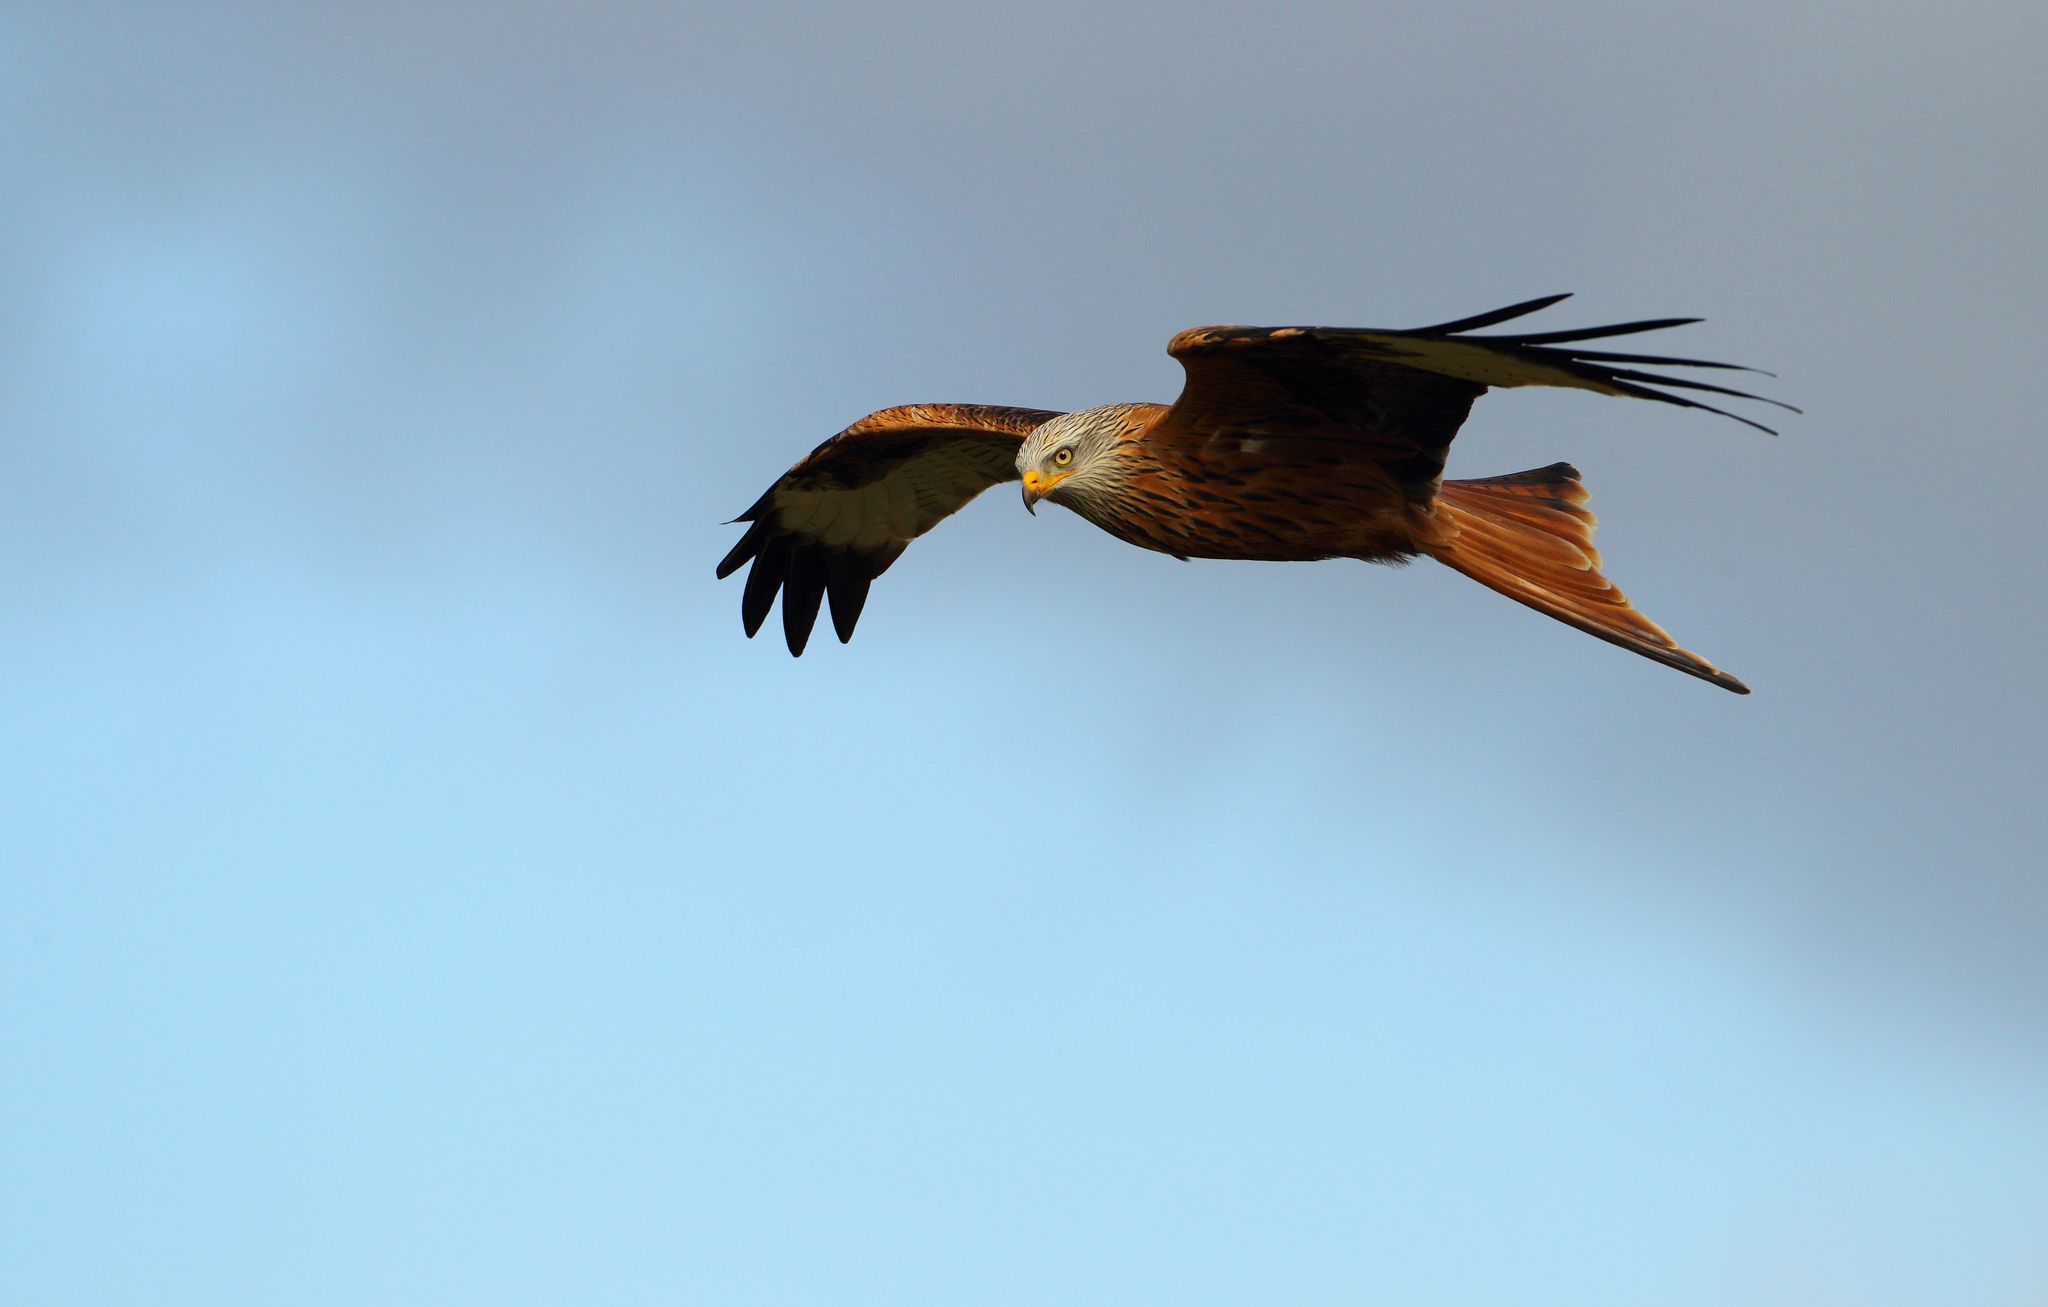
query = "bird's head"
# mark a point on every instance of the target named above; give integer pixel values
(1072, 458)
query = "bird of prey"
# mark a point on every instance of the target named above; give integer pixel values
(1287, 444)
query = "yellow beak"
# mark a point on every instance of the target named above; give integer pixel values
(1037, 487)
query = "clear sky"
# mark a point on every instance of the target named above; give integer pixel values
(414, 888)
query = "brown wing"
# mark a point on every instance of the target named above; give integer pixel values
(842, 515)
(1396, 398)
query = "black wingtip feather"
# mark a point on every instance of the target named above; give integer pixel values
(1477, 321)
(749, 545)
(1598, 356)
(771, 566)
(846, 582)
(1593, 333)
(800, 597)
(1644, 392)
(1652, 378)
(1594, 365)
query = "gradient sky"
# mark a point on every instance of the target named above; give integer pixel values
(416, 889)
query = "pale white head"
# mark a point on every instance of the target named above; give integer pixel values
(1072, 459)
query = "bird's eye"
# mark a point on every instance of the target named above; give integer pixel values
(1064, 457)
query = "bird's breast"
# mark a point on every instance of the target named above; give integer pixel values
(1255, 498)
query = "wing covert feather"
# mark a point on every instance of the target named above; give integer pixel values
(1365, 405)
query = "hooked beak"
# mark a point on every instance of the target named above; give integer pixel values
(1036, 487)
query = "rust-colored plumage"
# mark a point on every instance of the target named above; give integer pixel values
(1287, 444)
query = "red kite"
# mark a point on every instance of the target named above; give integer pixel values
(1287, 444)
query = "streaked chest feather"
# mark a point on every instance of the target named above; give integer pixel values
(1273, 499)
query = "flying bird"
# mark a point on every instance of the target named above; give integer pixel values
(1287, 444)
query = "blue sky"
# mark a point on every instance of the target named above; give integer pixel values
(416, 888)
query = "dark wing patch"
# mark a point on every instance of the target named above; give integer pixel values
(836, 521)
(1305, 363)
(1260, 387)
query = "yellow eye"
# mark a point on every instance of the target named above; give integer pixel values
(1064, 457)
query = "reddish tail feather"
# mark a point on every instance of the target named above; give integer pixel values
(1530, 537)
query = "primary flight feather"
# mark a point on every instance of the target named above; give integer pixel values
(1287, 444)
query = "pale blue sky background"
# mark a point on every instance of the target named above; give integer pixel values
(416, 889)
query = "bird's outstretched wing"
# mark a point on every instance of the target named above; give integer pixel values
(842, 515)
(1396, 398)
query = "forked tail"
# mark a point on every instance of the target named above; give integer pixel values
(1530, 537)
